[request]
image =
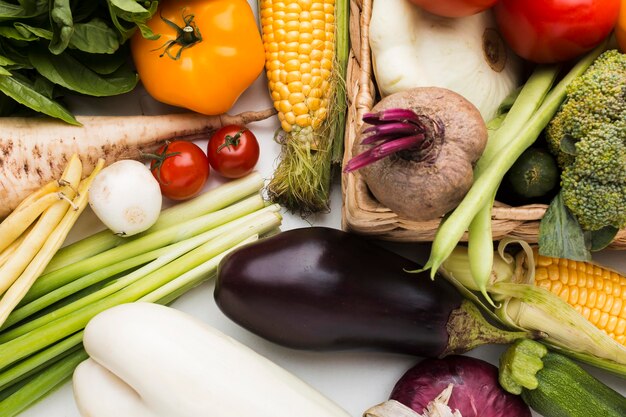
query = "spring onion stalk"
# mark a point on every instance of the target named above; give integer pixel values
(163, 295)
(80, 284)
(178, 286)
(37, 339)
(213, 200)
(40, 360)
(174, 252)
(151, 241)
(42, 384)
(105, 273)
(451, 230)
(40, 353)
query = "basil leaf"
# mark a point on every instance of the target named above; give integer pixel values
(25, 94)
(16, 55)
(103, 64)
(131, 11)
(11, 32)
(4, 61)
(34, 8)
(68, 72)
(560, 234)
(4, 71)
(130, 6)
(83, 10)
(44, 86)
(62, 25)
(9, 11)
(25, 29)
(23, 10)
(601, 238)
(95, 37)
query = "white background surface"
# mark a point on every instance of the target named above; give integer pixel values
(354, 380)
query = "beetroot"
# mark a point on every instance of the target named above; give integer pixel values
(476, 391)
(417, 149)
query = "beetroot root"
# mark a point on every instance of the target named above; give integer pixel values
(431, 178)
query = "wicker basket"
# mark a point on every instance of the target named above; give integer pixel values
(361, 212)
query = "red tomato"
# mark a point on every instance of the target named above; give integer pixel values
(454, 8)
(181, 168)
(620, 29)
(547, 31)
(233, 151)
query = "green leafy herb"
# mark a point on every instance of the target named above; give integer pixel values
(48, 47)
(560, 234)
(601, 238)
(24, 93)
(68, 72)
(62, 25)
(95, 37)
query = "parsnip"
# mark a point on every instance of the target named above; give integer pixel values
(34, 151)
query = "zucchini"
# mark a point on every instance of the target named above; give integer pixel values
(533, 175)
(555, 386)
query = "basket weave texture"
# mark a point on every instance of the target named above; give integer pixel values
(361, 212)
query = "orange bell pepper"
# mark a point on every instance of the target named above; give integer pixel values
(620, 28)
(208, 53)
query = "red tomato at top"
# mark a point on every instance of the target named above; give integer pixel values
(454, 8)
(233, 151)
(620, 29)
(181, 168)
(547, 31)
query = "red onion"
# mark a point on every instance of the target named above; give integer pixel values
(476, 391)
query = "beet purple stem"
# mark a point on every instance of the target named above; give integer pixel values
(392, 130)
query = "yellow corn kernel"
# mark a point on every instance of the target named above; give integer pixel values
(597, 293)
(299, 40)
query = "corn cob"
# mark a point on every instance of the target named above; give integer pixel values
(306, 55)
(598, 293)
(576, 307)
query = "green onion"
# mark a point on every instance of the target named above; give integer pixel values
(42, 384)
(171, 255)
(151, 241)
(41, 344)
(212, 200)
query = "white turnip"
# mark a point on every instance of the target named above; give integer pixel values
(34, 151)
(417, 149)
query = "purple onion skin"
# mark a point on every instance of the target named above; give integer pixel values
(476, 391)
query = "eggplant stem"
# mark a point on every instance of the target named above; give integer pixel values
(467, 328)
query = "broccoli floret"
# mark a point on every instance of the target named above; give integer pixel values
(588, 137)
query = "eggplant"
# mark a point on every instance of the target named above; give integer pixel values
(318, 288)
